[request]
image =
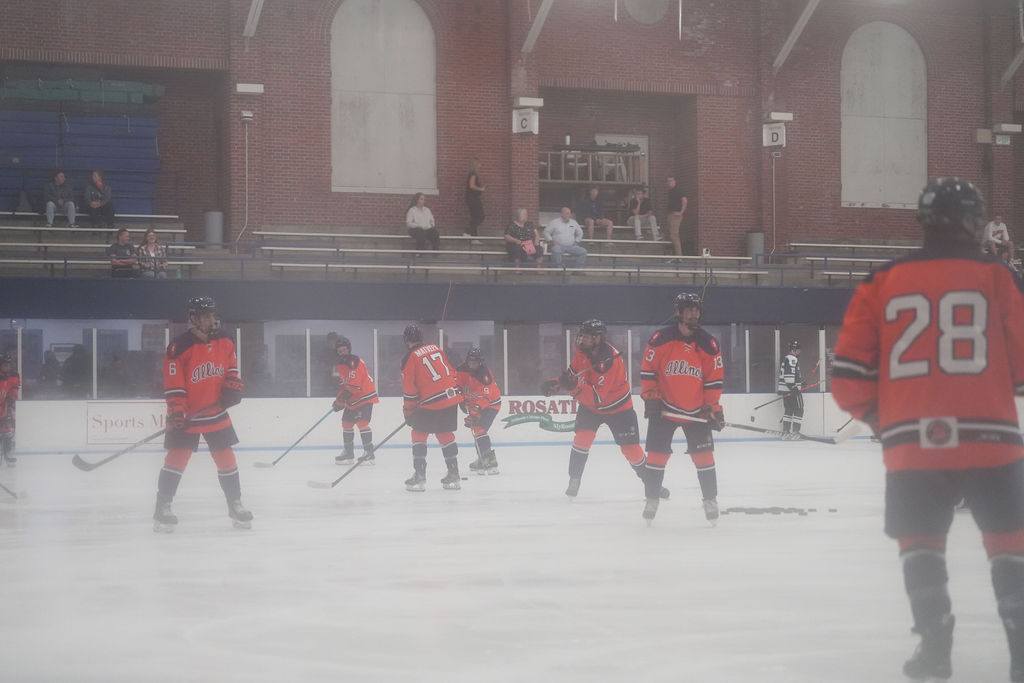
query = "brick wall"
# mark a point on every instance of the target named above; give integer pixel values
(704, 98)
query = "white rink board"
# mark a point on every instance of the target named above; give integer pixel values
(75, 426)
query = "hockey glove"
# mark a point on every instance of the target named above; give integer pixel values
(176, 419)
(549, 388)
(567, 380)
(715, 417)
(408, 409)
(464, 406)
(794, 388)
(341, 402)
(231, 392)
(652, 408)
(473, 418)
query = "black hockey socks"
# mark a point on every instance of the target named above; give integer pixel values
(708, 480)
(1008, 583)
(419, 457)
(652, 478)
(483, 443)
(230, 484)
(167, 483)
(366, 436)
(577, 461)
(925, 578)
(348, 439)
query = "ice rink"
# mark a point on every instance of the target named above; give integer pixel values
(503, 581)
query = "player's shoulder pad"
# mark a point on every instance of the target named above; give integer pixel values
(352, 363)
(180, 344)
(664, 335)
(707, 343)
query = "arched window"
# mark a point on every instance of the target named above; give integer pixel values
(884, 118)
(383, 98)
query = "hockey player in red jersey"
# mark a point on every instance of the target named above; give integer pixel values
(200, 383)
(929, 355)
(430, 398)
(356, 397)
(10, 386)
(481, 401)
(681, 382)
(596, 378)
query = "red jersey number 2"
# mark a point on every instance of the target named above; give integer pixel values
(962, 316)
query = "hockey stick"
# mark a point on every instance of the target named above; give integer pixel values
(832, 441)
(779, 398)
(13, 494)
(85, 466)
(359, 461)
(288, 450)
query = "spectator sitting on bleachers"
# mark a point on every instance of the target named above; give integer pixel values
(99, 201)
(420, 222)
(152, 257)
(640, 212)
(521, 240)
(59, 196)
(591, 212)
(996, 236)
(563, 234)
(122, 255)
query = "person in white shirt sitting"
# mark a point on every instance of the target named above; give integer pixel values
(997, 237)
(420, 221)
(563, 235)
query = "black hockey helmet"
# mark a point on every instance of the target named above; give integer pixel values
(342, 340)
(593, 326)
(953, 208)
(197, 305)
(412, 334)
(686, 300)
(794, 345)
(475, 353)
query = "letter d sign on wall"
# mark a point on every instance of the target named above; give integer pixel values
(773, 135)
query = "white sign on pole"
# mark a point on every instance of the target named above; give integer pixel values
(773, 135)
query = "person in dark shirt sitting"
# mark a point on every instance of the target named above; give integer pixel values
(122, 255)
(591, 212)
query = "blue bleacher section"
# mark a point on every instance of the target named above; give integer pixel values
(125, 147)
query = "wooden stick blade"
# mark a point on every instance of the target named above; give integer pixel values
(264, 464)
(319, 484)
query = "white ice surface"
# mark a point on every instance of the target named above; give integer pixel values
(504, 581)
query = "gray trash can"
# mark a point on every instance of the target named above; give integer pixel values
(213, 224)
(755, 244)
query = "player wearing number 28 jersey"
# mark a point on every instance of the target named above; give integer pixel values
(930, 355)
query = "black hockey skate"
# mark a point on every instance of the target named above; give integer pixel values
(931, 659)
(711, 511)
(347, 457)
(417, 482)
(164, 521)
(573, 488)
(1015, 638)
(240, 517)
(452, 480)
(10, 460)
(651, 509)
(485, 464)
(368, 457)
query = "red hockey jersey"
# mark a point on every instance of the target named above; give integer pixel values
(10, 387)
(478, 387)
(428, 380)
(194, 372)
(603, 384)
(931, 353)
(355, 379)
(686, 374)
